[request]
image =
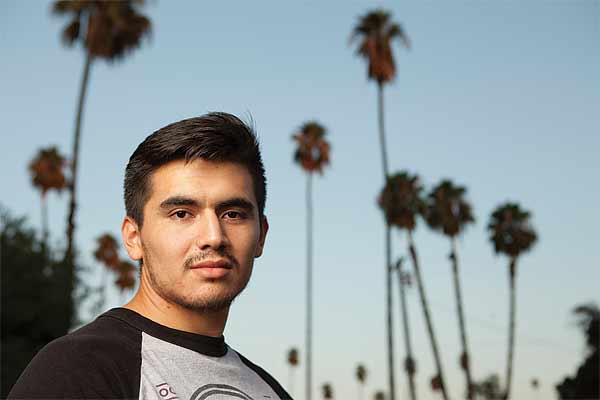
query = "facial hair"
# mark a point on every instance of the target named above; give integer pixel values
(217, 300)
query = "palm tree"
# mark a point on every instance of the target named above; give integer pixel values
(107, 253)
(327, 391)
(488, 389)
(375, 32)
(361, 377)
(512, 235)
(589, 322)
(312, 154)
(584, 383)
(401, 202)
(448, 212)
(47, 173)
(107, 30)
(293, 362)
(125, 277)
(404, 281)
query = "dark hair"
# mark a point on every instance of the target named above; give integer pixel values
(216, 136)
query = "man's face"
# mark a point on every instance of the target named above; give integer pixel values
(201, 233)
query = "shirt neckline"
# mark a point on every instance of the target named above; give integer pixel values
(207, 345)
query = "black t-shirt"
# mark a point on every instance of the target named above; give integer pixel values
(123, 355)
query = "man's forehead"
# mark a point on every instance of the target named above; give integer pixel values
(197, 178)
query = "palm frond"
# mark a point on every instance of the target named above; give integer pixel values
(510, 230)
(401, 200)
(375, 30)
(312, 151)
(447, 210)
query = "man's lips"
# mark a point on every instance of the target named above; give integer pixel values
(211, 264)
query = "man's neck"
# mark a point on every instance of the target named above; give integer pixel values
(148, 303)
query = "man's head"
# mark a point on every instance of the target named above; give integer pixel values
(211, 137)
(195, 194)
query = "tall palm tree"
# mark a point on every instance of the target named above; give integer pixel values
(401, 202)
(108, 30)
(448, 212)
(410, 367)
(327, 391)
(512, 235)
(361, 377)
(312, 154)
(375, 32)
(125, 277)
(47, 173)
(293, 362)
(107, 253)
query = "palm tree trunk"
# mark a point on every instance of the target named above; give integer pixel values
(291, 381)
(309, 256)
(75, 159)
(388, 257)
(465, 360)
(511, 329)
(425, 306)
(388, 249)
(104, 288)
(44, 228)
(407, 341)
(382, 144)
(68, 260)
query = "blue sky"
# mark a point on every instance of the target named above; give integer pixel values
(501, 97)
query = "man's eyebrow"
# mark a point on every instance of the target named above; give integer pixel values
(238, 202)
(178, 201)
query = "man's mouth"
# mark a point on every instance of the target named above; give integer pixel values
(212, 264)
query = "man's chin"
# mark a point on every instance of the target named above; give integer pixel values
(214, 304)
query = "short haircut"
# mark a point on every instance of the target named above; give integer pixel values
(215, 136)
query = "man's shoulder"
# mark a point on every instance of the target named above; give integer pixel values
(109, 329)
(95, 360)
(105, 335)
(265, 376)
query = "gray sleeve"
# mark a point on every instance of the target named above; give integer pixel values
(277, 388)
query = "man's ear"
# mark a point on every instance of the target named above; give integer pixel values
(264, 227)
(132, 238)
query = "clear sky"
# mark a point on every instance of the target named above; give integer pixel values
(500, 96)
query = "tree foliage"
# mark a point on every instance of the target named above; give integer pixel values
(312, 152)
(585, 384)
(447, 209)
(36, 301)
(47, 170)
(510, 231)
(401, 200)
(107, 29)
(375, 32)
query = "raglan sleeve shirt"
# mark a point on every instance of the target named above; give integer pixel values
(123, 355)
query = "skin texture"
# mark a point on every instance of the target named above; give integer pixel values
(197, 214)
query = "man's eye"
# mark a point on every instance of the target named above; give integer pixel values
(233, 215)
(181, 214)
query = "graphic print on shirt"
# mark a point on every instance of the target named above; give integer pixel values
(216, 391)
(171, 372)
(166, 392)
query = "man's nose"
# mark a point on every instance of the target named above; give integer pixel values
(211, 234)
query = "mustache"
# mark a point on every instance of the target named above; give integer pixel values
(208, 255)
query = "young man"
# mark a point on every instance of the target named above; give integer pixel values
(195, 195)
